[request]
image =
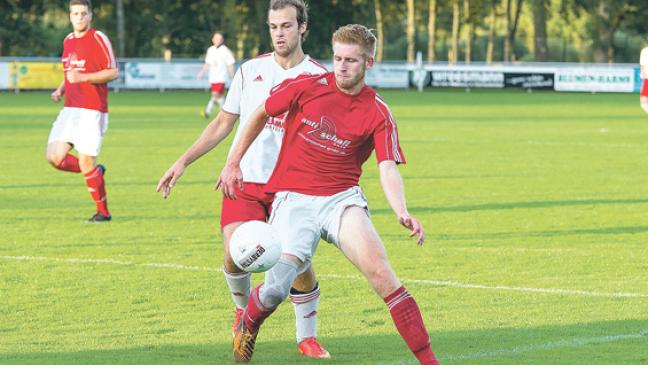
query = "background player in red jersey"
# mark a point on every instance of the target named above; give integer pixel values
(89, 63)
(287, 21)
(334, 122)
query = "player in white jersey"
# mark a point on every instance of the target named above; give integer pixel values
(643, 64)
(218, 61)
(250, 87)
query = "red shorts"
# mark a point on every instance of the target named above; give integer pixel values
(644, 88)
(218, 88)
(251, 204)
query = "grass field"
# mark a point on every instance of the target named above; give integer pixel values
(536, 208)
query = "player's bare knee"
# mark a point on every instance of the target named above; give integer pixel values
(306, 281)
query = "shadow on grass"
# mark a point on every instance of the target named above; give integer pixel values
(516, 205)
(609, 342)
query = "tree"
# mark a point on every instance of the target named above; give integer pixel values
(380, 29)
(511, 28)
(490, 47)
(456, 25)
(539, 10)
(411, 32)
(431, 29)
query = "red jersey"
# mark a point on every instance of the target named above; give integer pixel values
(328, 135)
(90, 53)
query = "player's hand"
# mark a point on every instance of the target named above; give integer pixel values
(56, 95)
(230, 179)
(169, 179)
(413, 225)
(74, 77)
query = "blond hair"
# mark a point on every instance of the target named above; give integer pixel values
(357, 34)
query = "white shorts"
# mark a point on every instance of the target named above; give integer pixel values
(301, 220)
(83, 128)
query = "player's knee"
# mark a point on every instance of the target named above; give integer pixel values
(277, 283)
(54, 159)
(306, 281)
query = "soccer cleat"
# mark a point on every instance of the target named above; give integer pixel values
(244, 341)
(98, 218)
(102, 169)
(238, 315)
(311, 348)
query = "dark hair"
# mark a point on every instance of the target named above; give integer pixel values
(82, 2)
(300, 7)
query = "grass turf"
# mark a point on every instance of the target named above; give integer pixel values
(517, 192)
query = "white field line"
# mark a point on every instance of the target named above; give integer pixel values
(441, 283)
(572, 342)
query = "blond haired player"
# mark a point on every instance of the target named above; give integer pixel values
(334, 122)
(643, 64)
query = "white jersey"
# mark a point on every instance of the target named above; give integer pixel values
(643, 62)
(249, 89)
(218, 59)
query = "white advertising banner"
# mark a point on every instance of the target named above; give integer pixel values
(164, 75)
(592, 79)
(388, 76)
(4, 75)
(467, 78)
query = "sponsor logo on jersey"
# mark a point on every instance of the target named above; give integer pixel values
(325, 130)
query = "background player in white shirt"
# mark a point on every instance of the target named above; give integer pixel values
(643, 64)
(218, 61)
(250, 87)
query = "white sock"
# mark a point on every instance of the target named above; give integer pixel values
(220, 101)
(210, 107)
(239, 284)
(305, 305)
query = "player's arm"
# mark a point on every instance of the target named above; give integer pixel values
(231, 176)
(392, 184)
(202, 71)
(212, 135)
(60, 90)
(99, 77)
(230, 68)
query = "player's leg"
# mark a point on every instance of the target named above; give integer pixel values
(238, 281)
(60, 142)
(304, 295)
(91, 128)
(58, 155)
(643, 100)
(361, 244)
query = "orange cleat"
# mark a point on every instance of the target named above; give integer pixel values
(244, 341)
(311, 348)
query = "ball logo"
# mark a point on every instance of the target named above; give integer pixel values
(259, 250)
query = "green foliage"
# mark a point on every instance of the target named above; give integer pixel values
(515, 190)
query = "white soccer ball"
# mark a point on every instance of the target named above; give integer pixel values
(255, 246)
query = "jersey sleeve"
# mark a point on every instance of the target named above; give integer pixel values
(232, 103)
(284, 96)
(106, 56)
(385, 136)
(229, 58)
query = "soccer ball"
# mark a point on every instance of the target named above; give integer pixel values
(255, 246)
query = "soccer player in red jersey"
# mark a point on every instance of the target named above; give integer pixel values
(252, 83)
(334, 122)
(89, 64)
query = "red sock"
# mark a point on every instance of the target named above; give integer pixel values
(69, 163)
(255, 312)
(409, 323)
(97, 189)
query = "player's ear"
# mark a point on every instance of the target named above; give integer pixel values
(369, 62)
(302, 28)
